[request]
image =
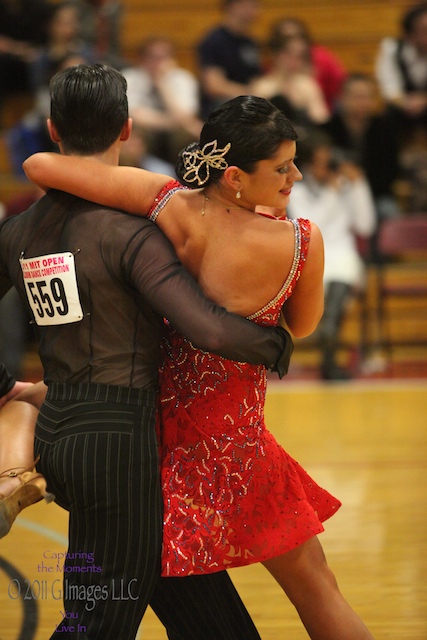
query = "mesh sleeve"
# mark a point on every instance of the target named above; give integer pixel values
(155, 271)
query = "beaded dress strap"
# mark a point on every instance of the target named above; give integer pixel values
(301, 236)
(163, 198)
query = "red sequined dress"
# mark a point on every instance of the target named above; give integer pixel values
(232, 495)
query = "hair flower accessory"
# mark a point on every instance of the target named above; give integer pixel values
(204, 159)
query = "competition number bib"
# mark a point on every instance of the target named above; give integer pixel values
(51, 286)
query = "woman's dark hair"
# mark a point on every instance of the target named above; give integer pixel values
(298, 28)
(280, 43)
(89, 107)
(253, 127)
(411, 16)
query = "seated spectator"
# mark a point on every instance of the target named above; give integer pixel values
(228, 56)
(30, 133)
(164, 98)
(100, 26)
(22, 29)
(63, 40)
(401, 71)
(64, 47)
(365, 135)
(327, 68)
(133, 153)
(337, 197)
(290, 83)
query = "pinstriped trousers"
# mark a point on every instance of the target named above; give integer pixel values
(98, 452)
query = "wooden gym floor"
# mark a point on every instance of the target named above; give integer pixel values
(366, 441)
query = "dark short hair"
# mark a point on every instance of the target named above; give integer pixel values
(276, 30)
(412, 15)
(281, 43)
(89, 107)
(253, 127)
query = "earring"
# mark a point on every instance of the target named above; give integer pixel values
(238, 195)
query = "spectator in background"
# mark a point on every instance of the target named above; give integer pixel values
(30, 135)
(63, 47)
(228, 56)
(133, 153)
(336, 196)
(22, 29)
(364, 134)
(63, 40)
(164, 98)
(328, 69)
(401, 69)
(100, 25)
(290, 83)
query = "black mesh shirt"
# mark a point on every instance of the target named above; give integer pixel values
(104, 324)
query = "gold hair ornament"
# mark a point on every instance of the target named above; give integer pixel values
(209, 157)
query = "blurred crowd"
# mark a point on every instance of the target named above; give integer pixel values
(363, 137)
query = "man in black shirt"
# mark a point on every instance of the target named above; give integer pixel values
(98, 283)
(228, 56)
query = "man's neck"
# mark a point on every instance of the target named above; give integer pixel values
(110, 156)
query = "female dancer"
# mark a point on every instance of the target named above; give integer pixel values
(232, 495)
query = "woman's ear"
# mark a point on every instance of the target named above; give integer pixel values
(233, 178)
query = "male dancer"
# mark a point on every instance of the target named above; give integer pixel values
(98, 283)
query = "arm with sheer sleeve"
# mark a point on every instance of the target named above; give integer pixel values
(155, 271)
(127, 188)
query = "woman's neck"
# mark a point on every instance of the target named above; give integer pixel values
(227, 204)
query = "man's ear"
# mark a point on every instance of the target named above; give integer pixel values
(53, 132)
(126, 130)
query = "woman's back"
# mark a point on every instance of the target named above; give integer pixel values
(241, 259)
